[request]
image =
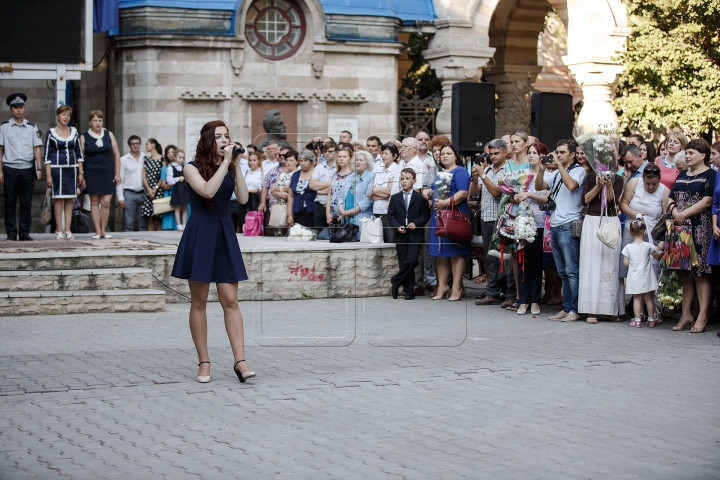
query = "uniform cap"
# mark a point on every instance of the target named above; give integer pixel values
(16, 99)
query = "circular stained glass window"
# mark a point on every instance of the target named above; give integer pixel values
(275, 28)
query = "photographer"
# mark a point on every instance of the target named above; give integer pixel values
(315, 146)
(566, 204)
(486, 176)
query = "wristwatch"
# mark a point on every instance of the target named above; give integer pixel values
(483, 176)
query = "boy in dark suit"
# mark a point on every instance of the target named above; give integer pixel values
(408, 212)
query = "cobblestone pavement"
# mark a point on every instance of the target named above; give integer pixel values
(388, 389)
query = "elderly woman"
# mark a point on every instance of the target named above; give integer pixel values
(675, 143)
(450, 253)
(600, 291)
(63, 157)
(690, 200)
(355, 204)
(301, 198)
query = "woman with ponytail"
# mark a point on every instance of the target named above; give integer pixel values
(209, 251)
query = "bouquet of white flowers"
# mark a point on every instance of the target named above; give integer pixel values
(443, 184)
(525, 227)
(600, 148)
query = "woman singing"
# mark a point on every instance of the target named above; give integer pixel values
(209, 250)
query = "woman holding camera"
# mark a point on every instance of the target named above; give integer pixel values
(209, 250)
(600, 292)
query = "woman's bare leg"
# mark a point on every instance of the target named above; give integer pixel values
(687, 299)
(443, 272)
(104, 213)
(458, 270)
(704, 293)
(95, 213)
(68, 213)
(228, 296)
(198, 322)
(58, 209)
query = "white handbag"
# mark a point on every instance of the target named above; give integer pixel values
(608, 234)
(162, 205)
(278, 216)
(372, 230)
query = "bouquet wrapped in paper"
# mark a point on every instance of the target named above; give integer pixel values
(443, 184)
(600, 147)
(680, 251)
(525, 227)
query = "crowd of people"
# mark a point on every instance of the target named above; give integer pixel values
(558, 189)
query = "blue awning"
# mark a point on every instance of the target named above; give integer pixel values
(409, 11)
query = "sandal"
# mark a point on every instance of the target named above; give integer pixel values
(480, 279)
(651, 322)
(59, 236)
(514, 307)
(636, 322)
(591, 320)
(696, 329)
(69, 236)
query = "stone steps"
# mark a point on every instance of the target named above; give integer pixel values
(81, 301)
(78, 279)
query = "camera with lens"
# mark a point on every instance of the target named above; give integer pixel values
(314, 145)
(548, 206)
(547, 159)
(482, 158)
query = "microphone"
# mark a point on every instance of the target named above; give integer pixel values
(237, 149)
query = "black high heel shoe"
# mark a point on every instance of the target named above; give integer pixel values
(242, 376)
(203, 378)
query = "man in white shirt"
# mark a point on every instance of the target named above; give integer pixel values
(321, 181)
(424, 149)
(130, 192)
(271, 161)
(409, 157)
(565, 186)
(372, 145)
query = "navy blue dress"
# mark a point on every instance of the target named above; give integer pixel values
(99, 165)
(209, 251)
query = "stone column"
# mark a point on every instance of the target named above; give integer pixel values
(598, 82)
(455, 56)
(513, 86)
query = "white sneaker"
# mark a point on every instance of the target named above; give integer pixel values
(571, 317)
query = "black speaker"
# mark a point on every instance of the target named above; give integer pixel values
(473, 116)
(551, 117)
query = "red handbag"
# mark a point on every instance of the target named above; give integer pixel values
(453, 224)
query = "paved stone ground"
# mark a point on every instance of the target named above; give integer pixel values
(388, 389)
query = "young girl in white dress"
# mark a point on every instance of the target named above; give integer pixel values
(641, 281)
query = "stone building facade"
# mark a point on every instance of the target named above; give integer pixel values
(331, 65)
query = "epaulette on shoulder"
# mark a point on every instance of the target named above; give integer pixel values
(30, 123)
(6, 121)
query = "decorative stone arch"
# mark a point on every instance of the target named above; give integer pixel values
(500, 36)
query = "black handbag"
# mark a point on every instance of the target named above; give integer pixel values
(476, 223)
(660, 229)
(345, 232)
(80, 222)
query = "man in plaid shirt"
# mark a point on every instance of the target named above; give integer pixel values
(486, 178)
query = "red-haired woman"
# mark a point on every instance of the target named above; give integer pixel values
(209, 250)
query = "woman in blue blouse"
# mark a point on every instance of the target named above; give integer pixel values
(358, 183)
(63, 174)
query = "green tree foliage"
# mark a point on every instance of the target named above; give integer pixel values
(421, 79)
(672, 66)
